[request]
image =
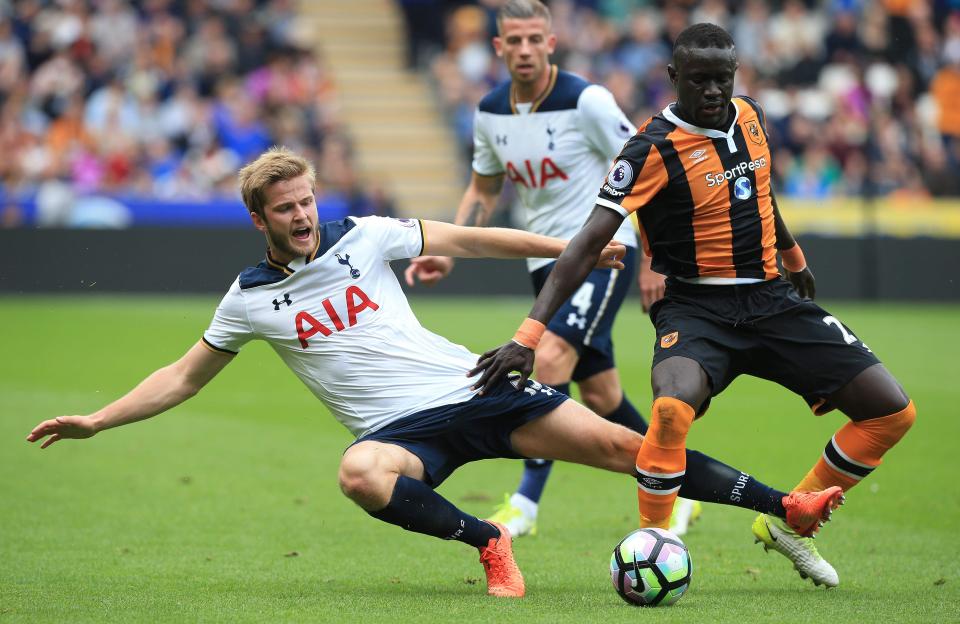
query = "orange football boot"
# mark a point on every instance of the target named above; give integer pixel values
(808, 511)
(503, 576)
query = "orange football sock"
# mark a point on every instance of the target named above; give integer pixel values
(856, 449)
(662, 461)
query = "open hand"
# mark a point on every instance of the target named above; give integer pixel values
(75, 427)
(428, 269)
(500, 362)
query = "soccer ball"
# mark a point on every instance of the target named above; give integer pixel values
(651, 567)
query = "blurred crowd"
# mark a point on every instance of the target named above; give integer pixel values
(162, 98)
(862, 97)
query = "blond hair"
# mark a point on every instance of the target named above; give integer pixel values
(522, 9)
(274, 165)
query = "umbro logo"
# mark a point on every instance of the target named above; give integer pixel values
(698, 156)
(286, 299)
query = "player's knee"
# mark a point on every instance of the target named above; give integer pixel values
(667, 427)
(362, 482)
(670, 419)
(682, 379)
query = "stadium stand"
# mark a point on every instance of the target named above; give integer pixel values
(119, 113)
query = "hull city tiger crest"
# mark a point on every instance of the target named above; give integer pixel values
(669, 340)
(753, 131)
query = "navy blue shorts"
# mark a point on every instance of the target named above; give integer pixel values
(764, 330)
(447, 437)
(585, 320)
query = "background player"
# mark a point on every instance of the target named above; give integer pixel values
(328, 303)
(698, 176)
(553, 135)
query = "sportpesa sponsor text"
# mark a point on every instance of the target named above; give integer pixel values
(713, 179)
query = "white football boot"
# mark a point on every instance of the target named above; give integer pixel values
(774, 533)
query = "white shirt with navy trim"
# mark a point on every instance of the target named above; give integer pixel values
(343, 325)
(555, 155)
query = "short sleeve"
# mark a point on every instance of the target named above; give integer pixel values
(636, 177)
(229, 330)
(603, 123)
(394, 238)
(485, 159)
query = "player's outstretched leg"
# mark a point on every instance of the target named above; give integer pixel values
(374, 475)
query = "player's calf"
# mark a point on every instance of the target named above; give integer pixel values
(856, 450)
(661, 460)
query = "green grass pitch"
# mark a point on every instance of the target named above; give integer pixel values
(227, 508)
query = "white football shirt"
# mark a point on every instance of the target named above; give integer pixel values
(342, 324)
(556, 151)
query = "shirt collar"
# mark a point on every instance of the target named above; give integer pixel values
(707, 132)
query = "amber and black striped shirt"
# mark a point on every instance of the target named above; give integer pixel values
(702, 196)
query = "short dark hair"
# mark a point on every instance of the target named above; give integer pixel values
(702, 35)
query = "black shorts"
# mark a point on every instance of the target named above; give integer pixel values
(447, 437)
(585, 320)
(765, 330)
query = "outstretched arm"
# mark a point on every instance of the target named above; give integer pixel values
(162, 390)
(575, 263)
(470, 242)
(794, 265)
(476, 206)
